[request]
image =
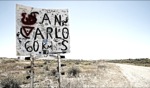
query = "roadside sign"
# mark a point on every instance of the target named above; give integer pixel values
(41, 31)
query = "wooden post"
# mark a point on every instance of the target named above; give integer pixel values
(59, 70)
(32, 72)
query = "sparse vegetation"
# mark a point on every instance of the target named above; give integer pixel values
(140, 61)
(78, 73)
(73, 72)
(45, 63)
(77, 62)
(8, 61)
(46, 68)
(10, 83)
(53, 72)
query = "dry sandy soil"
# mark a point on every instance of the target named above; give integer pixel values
(138, 76)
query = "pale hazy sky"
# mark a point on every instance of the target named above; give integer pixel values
(98, 29)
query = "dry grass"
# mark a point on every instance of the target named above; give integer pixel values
(92, 74)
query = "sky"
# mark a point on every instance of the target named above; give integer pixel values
(98, 29)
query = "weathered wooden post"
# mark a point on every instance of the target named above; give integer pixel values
(32, 72)
(59, 70)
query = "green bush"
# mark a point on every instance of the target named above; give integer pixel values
(9, 83)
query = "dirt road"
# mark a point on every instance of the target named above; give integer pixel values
(138, 76)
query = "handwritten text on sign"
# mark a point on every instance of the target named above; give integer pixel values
(41, 31)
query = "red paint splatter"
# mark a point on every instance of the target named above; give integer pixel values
(29, 19)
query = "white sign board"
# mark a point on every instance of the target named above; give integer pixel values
(41, 31)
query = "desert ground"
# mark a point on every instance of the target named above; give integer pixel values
(138, 76)
(88, 74)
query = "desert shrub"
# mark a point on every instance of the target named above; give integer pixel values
(101, 67)
(53, 72)
(10, 83)
(8, 61)
(138, 61)
(40, 66)
(77, 62)
(45, 62)
(48, 61)
(73, 72)
(87, 63)
(46, 68)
